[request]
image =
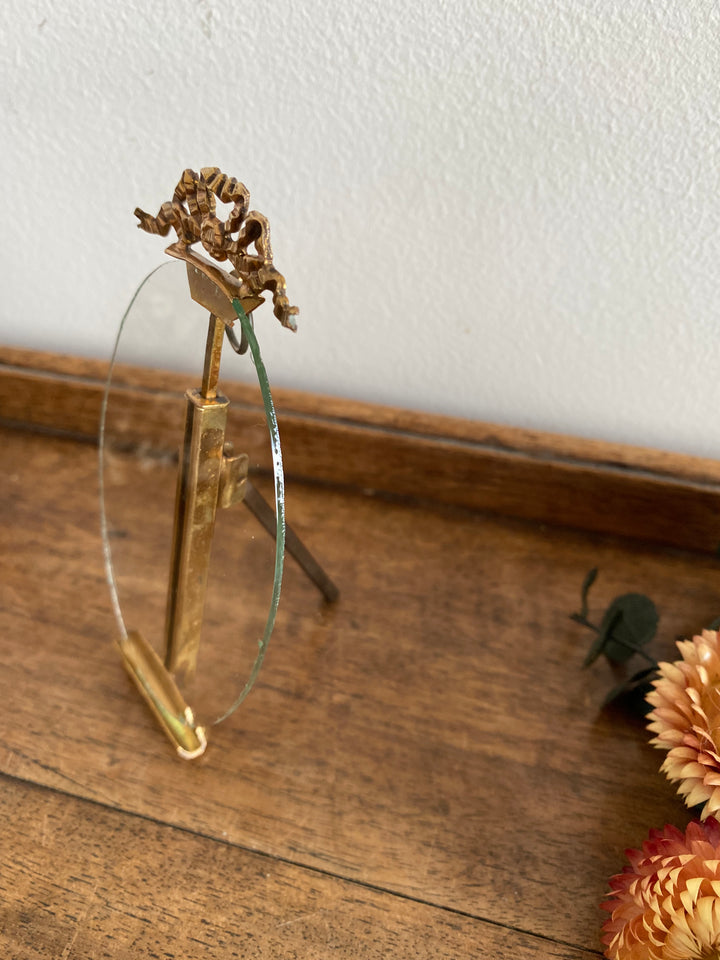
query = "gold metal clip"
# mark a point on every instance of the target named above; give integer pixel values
(162, 696)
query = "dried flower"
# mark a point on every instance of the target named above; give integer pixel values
(665, 905)
(686, 720)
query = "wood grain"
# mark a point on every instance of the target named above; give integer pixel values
(498, 436)
(80, 882)
(607, 488)
(432, 736)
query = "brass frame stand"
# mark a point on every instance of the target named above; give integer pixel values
(210, 475)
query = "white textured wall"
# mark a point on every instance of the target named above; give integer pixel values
(501, 209)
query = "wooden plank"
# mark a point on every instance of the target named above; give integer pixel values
(665, 498)
(511, 439)
(85, 882)
(433, 735)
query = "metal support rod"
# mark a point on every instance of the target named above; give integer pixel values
(262, 511)
(199, 474)
(213, 351)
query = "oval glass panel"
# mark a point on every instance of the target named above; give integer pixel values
(159, 355)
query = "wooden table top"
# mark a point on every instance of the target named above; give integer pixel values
(422, 771)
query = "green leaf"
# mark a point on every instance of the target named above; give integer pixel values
(628, 624)
(589, 580)
(601, 640)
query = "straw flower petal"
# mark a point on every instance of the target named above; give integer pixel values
(665, 905)
(686, 720)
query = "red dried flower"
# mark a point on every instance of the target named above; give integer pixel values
(665, 905)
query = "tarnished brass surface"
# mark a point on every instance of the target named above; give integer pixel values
(195, 507)
(162, 696)
(191, 214)
(212, 287)
(213, 352)
(233, 478)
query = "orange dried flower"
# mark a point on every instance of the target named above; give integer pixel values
(665, 905)
(686, 720)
